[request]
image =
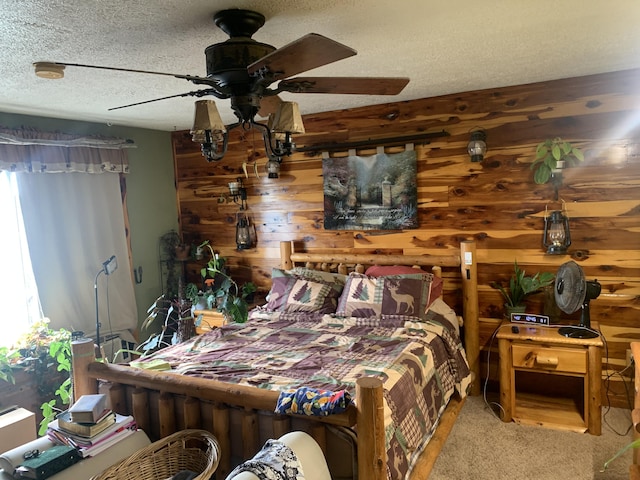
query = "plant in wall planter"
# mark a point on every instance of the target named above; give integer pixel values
(520, 287)
(552, 156)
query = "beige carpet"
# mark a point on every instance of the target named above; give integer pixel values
(481, 447)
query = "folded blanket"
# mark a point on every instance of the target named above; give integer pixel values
(311, 401)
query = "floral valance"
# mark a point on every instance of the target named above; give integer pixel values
(30, 150)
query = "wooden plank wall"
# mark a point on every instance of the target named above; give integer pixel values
(494, 202)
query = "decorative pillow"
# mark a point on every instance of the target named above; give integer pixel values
(318, 275)
(383, 297)
(436, 287)
(290, 293)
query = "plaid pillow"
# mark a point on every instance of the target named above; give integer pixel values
(290, 293)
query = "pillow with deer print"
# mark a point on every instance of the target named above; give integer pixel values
(391, 296)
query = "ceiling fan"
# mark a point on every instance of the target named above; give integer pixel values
(246, 71)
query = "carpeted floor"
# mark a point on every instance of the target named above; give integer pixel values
(481, 447)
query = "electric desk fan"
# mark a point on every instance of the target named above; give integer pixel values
(573, 291)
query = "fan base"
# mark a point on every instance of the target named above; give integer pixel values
(577, 332)
(239, 23)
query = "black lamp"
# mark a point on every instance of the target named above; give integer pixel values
(243, 233)
(238, 193)
(557, 237)
(108, 267)
(477, 146)
(273, 168)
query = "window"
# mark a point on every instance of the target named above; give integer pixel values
(21, 305)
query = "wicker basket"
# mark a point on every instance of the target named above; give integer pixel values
(194, 450)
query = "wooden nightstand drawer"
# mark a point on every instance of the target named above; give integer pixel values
(570, 360)
(210, 320)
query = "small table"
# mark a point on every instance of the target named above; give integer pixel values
(211, 319)
(550, 380)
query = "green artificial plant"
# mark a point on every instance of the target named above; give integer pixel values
(551, 156)
(521, 286)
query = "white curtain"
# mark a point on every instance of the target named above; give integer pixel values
(75, 222)
(22, 305)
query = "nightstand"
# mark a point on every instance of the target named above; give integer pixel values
(550, 380)
(211, 319)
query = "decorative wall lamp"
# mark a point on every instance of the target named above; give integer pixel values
(477, 146)
(238, 193)
(213, 135)
(244, 239)
(273, 168)
(557, 236)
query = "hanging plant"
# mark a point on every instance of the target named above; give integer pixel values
(552, 156)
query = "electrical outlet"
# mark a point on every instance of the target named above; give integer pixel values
(629, 356)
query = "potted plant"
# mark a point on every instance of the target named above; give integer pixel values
(223, 293)
(176, 324)
(552, 156)
(521, 286)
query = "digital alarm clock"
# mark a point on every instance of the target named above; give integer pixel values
(533, 318)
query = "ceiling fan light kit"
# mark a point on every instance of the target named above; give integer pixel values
(242, 70)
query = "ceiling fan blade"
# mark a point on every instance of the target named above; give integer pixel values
(345, 85)
(191, 78)
(269, 105)
(306, 53)
(196, 93)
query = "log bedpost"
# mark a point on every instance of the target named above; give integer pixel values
(285, 255)
(372, 458)
(222, 431)
(469, 271)
(82, 354)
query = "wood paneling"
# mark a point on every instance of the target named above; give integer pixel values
(494, 202)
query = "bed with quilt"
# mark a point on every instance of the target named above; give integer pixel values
(370, 362)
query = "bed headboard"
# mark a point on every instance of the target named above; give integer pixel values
(464, 259)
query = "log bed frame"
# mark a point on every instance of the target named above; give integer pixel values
(164, 402)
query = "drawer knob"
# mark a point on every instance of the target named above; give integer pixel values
(547, 360)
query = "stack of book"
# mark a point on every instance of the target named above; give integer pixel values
(90, 427)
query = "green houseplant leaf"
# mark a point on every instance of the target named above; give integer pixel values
(521, 286)
(549, 157)
(224, 293)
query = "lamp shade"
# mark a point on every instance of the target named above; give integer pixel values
(206, 118)
(276, 135)
(287, 119)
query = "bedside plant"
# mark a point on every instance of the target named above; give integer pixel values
(521, 286)
(551, 156)
(228, 298)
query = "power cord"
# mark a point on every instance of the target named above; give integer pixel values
(492, 405)
(607, 384)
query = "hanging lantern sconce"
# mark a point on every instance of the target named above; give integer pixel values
(557, 236)
(244, 238)
(477, 146)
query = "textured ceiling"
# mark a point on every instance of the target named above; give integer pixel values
(443, 46)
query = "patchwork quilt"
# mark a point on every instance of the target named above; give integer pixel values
(421, 362)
